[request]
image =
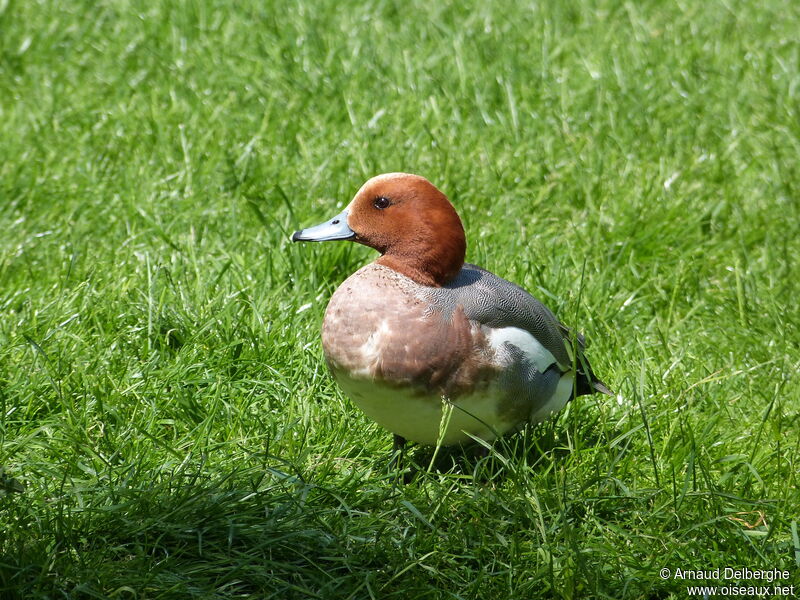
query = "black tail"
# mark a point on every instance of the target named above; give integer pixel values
(587, 382)
(585, 386)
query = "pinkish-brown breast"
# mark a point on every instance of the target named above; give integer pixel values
(379, 325)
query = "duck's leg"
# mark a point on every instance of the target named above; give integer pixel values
(396, 463)
(398, 451)
(480, 451)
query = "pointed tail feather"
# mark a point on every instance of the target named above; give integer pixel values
(585, 381)
(601, 387)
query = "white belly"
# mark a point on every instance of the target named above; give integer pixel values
(429, 419)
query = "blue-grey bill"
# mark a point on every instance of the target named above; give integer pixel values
(335, 229)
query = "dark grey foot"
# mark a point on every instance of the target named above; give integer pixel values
(480, 451)
(398, 463)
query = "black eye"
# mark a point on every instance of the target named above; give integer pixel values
(381, 202)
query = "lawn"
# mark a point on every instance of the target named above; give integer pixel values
(168, 428)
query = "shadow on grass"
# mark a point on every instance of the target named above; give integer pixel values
(272, 535)
(534, 448)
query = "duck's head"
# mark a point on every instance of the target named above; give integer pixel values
(405, 218)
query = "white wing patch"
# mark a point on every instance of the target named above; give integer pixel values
(541, 358)
(538, 355)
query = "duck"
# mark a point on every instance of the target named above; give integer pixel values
(433, 349)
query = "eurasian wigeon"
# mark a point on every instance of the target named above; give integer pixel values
(432, 348)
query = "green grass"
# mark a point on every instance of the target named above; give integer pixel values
(168, 426)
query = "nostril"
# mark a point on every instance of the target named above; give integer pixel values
(335, 222)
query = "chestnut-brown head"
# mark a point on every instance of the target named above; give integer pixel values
(405, 218)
